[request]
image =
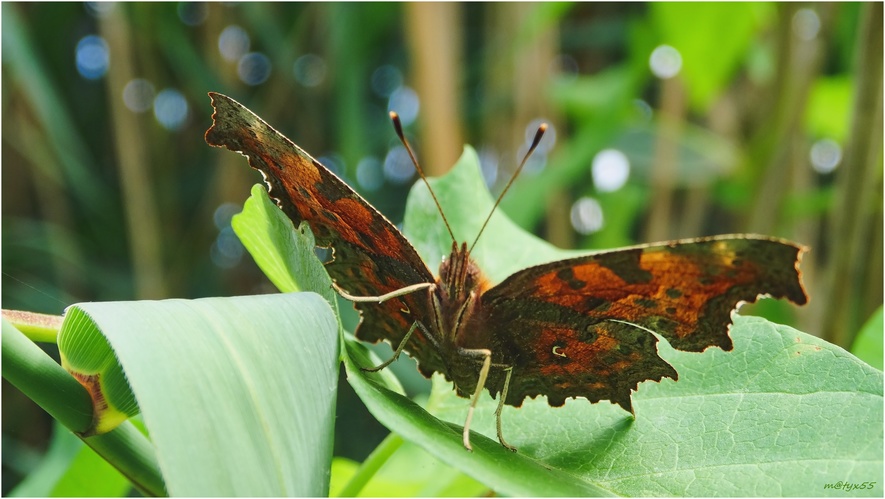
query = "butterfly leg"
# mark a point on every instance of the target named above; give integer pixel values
(381, 299)
(399, 350)
(480, 384)
(509, 372)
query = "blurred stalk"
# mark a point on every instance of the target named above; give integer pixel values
(798, 64)
(347, 56)
(533, 75)
(369, 468)
(53, 200)
(434, 35)
(665, 158)
(27, 69)
(856, 265)
(522, 41)
(143, 224)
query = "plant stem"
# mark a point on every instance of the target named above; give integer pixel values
(37, 327)
(371, 465)
(45, 382)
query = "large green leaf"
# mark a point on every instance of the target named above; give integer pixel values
(755, 421)
(238, 394)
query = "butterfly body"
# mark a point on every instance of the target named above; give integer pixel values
(580, 327)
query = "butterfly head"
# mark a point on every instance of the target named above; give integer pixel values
(459, 275)
(398, 127)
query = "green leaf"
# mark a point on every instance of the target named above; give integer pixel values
(601, 104)
(493, 465)
(868, 343)
(829, 104)
(754, 421)
(407, 472)
(284, 254)
(68, 469)
(45, 382)
(712, 38)
(424, 228)
(760, 414)
(238, 393)
(757, 421)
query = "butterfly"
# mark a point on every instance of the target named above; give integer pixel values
(579, 327)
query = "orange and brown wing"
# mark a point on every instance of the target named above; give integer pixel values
(580, 327)
(370, 256)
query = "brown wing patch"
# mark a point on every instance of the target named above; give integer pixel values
(602, 361)
(370, 256)
(585, 321)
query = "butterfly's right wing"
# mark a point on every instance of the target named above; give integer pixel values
(370, 256)
(581, 327)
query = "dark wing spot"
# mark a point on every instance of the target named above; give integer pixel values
(589, 334)
(646, 302)
(596, 304)
(329, 216)
(674, 293)
(567, 275)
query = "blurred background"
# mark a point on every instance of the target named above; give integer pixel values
(667, 121)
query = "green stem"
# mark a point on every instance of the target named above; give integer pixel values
(37, 327)
(371, 465)
(45, 382)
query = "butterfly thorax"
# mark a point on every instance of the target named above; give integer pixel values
(459, 287)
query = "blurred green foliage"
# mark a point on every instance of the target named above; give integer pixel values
(103, 202)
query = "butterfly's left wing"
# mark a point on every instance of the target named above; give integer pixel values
(580, 327)
(370, 258)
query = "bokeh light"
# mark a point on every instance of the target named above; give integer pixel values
(665, 62)
(806, 24)
(227, 251)
(99, 9)
(138, 95)
(398, 167)
(610, 170)
(385, 80)
(825, 155)
(309, 70)
(586, 215)
(405, 102)
(369, 174)
(93, 57)
(170, 109)
(193, 13)
(254, 68)
(233, 43)
(222, 215)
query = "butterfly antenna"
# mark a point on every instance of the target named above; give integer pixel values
(402, 137)
(535, 142)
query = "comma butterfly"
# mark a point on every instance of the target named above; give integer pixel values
(579, 327)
